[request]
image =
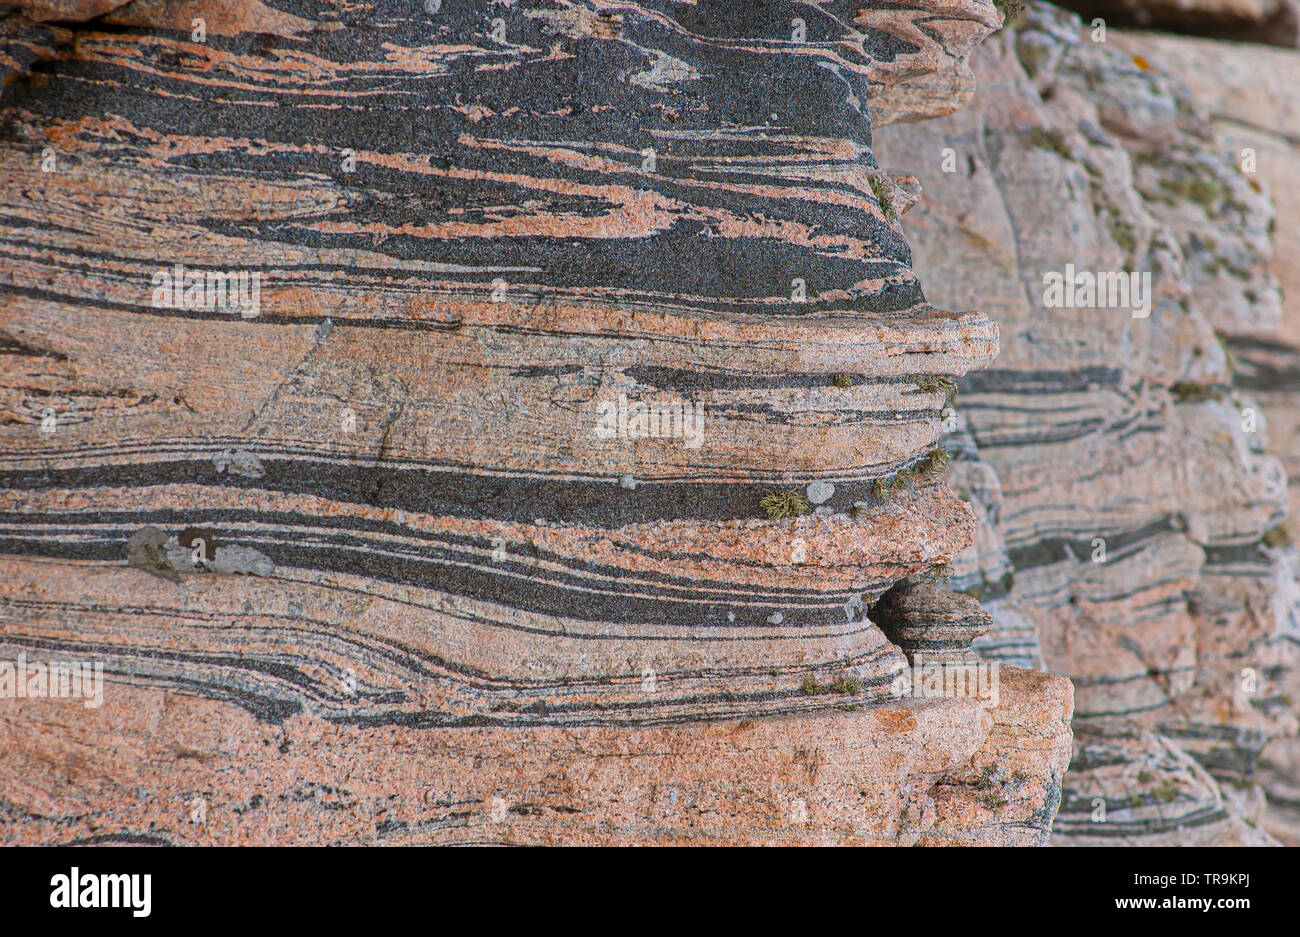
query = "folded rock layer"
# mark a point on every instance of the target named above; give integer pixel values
(558, 373)
(546, 306)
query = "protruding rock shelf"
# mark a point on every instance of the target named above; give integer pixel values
(473, 254)
(930, 623)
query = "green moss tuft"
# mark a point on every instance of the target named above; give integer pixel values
(1194, 392)
(942, 572)
(847, 686)
(936, 382)
(1052, 140)
(935, 463)
(843, 685)
(1166, 791)
(886, 199)
(1122, 232)
(931, 465)
(1205, 192)
(788, 503)
(1278, 536)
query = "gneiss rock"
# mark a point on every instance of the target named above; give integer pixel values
(1243, 88)
(1130, 785)
(516, 227)
(589, 211)
(930, 622)
(1127, 502)
(927, 772)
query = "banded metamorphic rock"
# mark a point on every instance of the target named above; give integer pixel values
(1245, 91)
(557, 371)
(1129, 503)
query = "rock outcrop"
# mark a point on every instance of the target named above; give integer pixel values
(1121, 470)
(1269, 21)
(1247, 94)
(452, 428)
(924, 621)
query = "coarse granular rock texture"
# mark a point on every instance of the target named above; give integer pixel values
(186, 769)
(927, 622)
(446, 306)
(1127, 478)
(548, 390)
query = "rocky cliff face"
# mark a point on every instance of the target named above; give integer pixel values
(1128, 466)
(543, 425)
(545, 399)
(1245, 91)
